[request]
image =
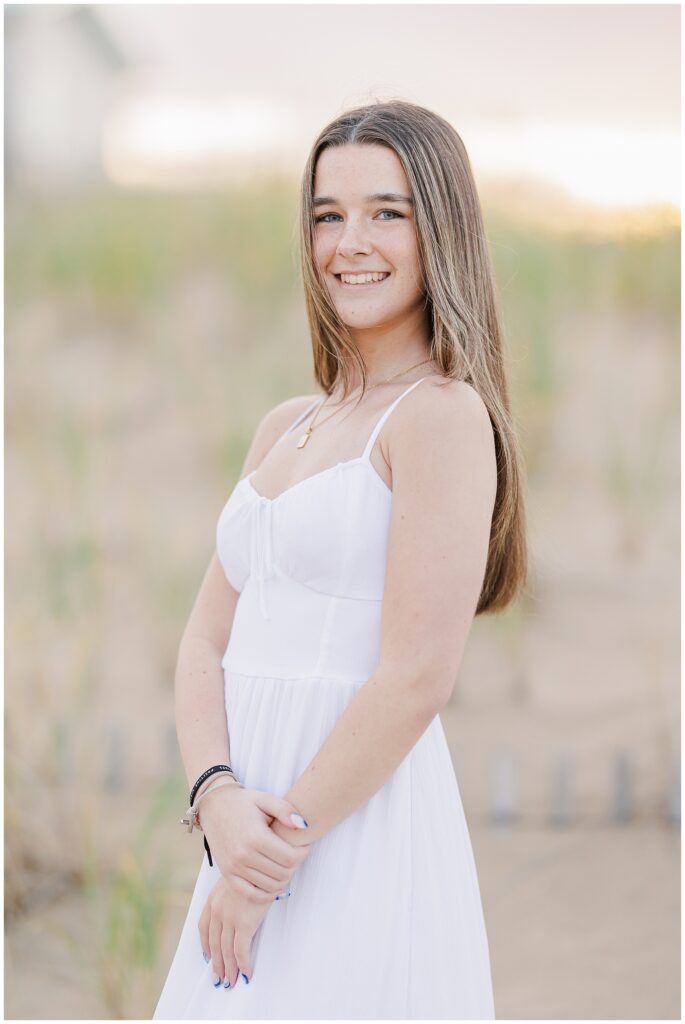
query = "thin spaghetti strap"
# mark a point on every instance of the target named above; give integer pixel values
(302, 416)
(376, 430)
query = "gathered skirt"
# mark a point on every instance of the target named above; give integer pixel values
(384, 919)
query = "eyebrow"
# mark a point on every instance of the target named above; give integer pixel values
(380, 197)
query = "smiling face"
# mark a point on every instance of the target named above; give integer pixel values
(363, 225)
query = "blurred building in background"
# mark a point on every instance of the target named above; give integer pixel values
(62, 70)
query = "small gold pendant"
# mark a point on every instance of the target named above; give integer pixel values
(305, 437)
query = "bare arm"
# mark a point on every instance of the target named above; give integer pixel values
(444, 485)
(234, 819)
(201, 724)
(199, 680)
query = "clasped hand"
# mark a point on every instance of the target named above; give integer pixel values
(255, 866)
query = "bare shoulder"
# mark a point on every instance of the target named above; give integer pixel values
(272, 424)
(437, 418)
(286, 412)
(459, 400)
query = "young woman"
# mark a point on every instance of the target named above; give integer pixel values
(369, 526)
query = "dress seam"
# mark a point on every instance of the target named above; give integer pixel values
(299, 678)
(278, 571)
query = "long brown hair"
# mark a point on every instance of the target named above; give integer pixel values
(461, 301)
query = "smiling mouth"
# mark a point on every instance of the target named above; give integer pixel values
(363, 285)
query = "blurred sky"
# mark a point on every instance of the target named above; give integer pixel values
(601, 63)
(586, 97)
(574, 100)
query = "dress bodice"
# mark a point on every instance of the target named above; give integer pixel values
(308, 563)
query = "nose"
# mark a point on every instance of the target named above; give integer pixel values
(352, 241)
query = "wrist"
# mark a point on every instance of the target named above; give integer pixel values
(212, 803)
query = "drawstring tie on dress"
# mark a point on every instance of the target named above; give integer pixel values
(261, 560)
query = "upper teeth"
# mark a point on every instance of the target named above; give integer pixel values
(361, 278)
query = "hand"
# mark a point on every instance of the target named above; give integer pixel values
(258, 863)
(295, 838)
(227, 926)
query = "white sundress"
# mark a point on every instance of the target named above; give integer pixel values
(385, 919)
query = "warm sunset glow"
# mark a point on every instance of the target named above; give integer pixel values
(607, 164)
(152, 138)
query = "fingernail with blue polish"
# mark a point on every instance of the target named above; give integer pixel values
(298, 820)
(247, 980)
(206, 956)
(216, 980)
(227, 983)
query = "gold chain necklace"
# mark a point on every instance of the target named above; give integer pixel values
(307, 434)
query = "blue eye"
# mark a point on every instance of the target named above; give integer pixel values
(322, 218)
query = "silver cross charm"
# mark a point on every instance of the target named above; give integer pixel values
(190, 819)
